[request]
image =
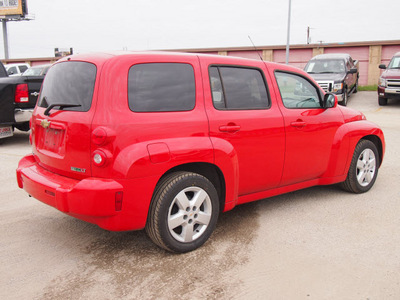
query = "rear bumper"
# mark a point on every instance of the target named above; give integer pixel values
(22, 115)
(92, 199)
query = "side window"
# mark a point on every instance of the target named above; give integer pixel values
(235, 88)
(22, 69)
(12, 70)
(161, 87)
(348, 66)
(296, 91)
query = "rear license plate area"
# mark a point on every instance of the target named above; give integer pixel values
(6, 132)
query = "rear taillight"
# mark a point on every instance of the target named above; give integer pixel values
(102, 136)
(21, 93)
(99, 136)
(99, 158)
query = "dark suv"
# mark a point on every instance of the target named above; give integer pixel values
(336, 73)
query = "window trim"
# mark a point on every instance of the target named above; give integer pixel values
(319, 90)
(223, 87)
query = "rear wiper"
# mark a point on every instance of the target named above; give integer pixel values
(60, 105)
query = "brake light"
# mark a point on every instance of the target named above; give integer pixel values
(21, 93)
(99, 136)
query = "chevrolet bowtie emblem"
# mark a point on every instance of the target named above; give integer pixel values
(45, 124)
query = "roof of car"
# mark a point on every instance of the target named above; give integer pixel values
(332, 56)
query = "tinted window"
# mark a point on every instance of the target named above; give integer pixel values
(296, 91)
(161, 87)
(238, 88)
(69, 83)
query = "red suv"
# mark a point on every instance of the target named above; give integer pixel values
(167, 141)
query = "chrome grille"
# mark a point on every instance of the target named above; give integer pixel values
(327, 86)
(393, 83)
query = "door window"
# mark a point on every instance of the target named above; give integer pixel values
(297, 92)
(236, 88)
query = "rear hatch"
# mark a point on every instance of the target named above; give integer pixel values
(61, 122)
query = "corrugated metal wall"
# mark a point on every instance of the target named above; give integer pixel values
(369, 54)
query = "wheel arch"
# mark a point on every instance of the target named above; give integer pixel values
(210, 171)
(378, 143)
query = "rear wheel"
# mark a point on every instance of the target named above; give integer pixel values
(363, 168)
(23, 126)
(382, 101)
(183, 212)
(356, 87)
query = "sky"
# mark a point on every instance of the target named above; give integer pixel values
(108, 25)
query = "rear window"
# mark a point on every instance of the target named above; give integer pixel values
(161, 87)
(69, 83)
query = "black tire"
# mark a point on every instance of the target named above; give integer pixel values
(174, 199)
(356, 87)
(363, 168)
(345, 97)
(382, 101)
(23, 126)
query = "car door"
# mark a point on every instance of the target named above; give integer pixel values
(310, 129)
(242, 118)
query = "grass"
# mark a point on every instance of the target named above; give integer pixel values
(368, 88)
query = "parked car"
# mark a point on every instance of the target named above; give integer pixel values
(16, 69)
(167, 141)
(389, 82)
(336, 73)
(40, 70)
(18, 96)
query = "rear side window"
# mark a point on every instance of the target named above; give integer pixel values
(161, 87)
(238, 88)
(69, 83)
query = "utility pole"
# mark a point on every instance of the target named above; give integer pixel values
(288, 33)
(16, 10)
(5, 39)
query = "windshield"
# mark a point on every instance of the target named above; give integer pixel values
(70, 85)
(394, 63)
(319, 66)
(36, 71)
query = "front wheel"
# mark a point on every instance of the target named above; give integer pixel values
(345, 97)
(382, 101)
(183, 212)
(363, 168)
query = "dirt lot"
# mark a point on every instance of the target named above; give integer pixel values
(318, 243)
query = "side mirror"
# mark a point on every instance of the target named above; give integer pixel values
(382, 66)
(353, 71)
(330, 100)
